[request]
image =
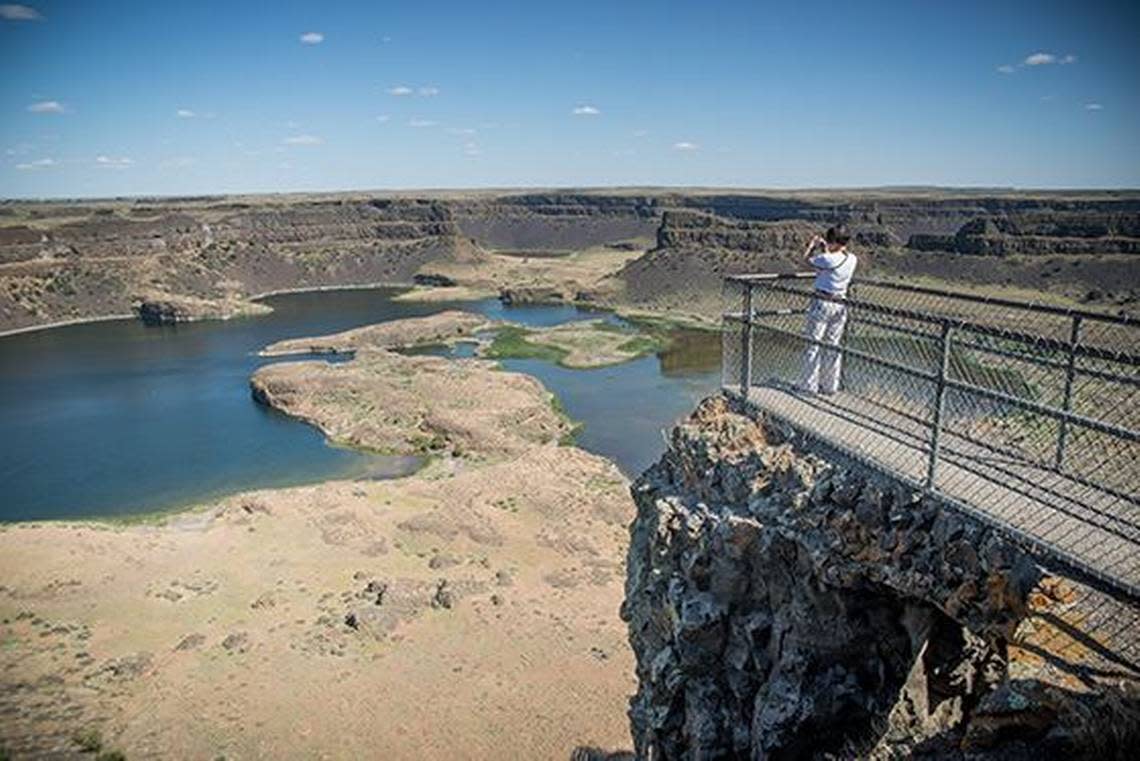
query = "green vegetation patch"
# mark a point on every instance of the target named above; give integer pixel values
(511, 343)
(88, 740)
(585, 344)
(569, 438)
(642, 345)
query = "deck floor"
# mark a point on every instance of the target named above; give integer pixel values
(1087, 527)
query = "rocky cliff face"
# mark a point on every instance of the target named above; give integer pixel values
(783, 606)
(60, 266)
(65, 260)
(558, 221)
(1038, 233)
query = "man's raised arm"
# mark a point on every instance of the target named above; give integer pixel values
(809, 252)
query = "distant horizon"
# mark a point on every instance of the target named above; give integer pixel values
(128, 98)
(586, 189)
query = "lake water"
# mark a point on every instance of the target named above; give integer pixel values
(117, 418)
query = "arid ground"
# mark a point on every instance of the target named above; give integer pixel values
(468, 611)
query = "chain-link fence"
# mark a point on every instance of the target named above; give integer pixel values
(1023, 415)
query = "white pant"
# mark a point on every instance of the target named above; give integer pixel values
(825, 321)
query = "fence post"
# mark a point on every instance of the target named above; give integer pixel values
(939, 404)
(1067, 401)
(746, 341)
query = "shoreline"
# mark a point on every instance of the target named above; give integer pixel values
(160, 515)
(253, 297)
(630, 314)
(318, 288)
(65, 323)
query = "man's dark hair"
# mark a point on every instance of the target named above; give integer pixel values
(837, 235)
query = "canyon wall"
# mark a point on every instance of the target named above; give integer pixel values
(784, 604)
(62, 260)
(557, 221)
(1083, 250)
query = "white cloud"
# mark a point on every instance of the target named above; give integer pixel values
(640, 132)
(1069, 58)
(383, 118)
(185, 113)
(385, 40)
(585, 110)
(302, 140)
(113, 162)
(14, 12)
(685, 145)
(37, 164)
(1094, 107)
(1047, 98)
(312, 38)
(472, 149)
(460, 131)
(426, 91)
(1040, 59)
(47, 107)
(421, 123)
(1005, 68)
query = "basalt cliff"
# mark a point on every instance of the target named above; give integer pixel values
(784, 604)
(657, 248)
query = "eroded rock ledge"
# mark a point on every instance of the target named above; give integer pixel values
(169, 309)
(781, 606)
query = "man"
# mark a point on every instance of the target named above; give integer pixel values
(834, 267)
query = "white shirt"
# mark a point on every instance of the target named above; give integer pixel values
(833, 272)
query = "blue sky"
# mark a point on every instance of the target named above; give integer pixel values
(128, 98)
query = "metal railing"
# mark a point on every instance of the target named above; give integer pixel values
(1026, 416)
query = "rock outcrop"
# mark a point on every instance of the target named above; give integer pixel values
(783, 606)
(166, 309)
(1039, 234)
(542, 294)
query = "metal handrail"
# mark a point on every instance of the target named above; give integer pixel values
(942, 336)
(1031, 306)
(1051, 344)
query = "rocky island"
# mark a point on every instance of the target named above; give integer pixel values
(437, 329)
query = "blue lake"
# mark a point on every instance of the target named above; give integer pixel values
(117, 418)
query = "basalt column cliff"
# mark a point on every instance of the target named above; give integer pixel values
(782, 605)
